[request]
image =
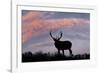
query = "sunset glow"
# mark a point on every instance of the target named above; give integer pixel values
(37, 24)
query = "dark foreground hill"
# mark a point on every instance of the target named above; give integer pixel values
(39, 56)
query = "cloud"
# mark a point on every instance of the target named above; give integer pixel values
(31, 15)
(33, 25)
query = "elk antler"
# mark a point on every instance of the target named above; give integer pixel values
(51, 35)
(60, 35)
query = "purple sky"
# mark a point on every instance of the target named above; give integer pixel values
(37, 24)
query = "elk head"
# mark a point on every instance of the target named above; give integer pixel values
(57, 37)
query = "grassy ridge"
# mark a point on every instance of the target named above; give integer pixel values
(39, 56)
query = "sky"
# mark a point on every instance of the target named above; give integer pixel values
(36, 26)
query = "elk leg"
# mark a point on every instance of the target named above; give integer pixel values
(70, 52)
(63, 52)
(58, 51)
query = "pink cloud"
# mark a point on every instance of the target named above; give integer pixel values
(33, 26)
(30, 15)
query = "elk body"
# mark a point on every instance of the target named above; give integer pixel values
(62, 45)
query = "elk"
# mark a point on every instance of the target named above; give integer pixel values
(62, 45)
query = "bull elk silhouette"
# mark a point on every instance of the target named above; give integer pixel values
(61, 45)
